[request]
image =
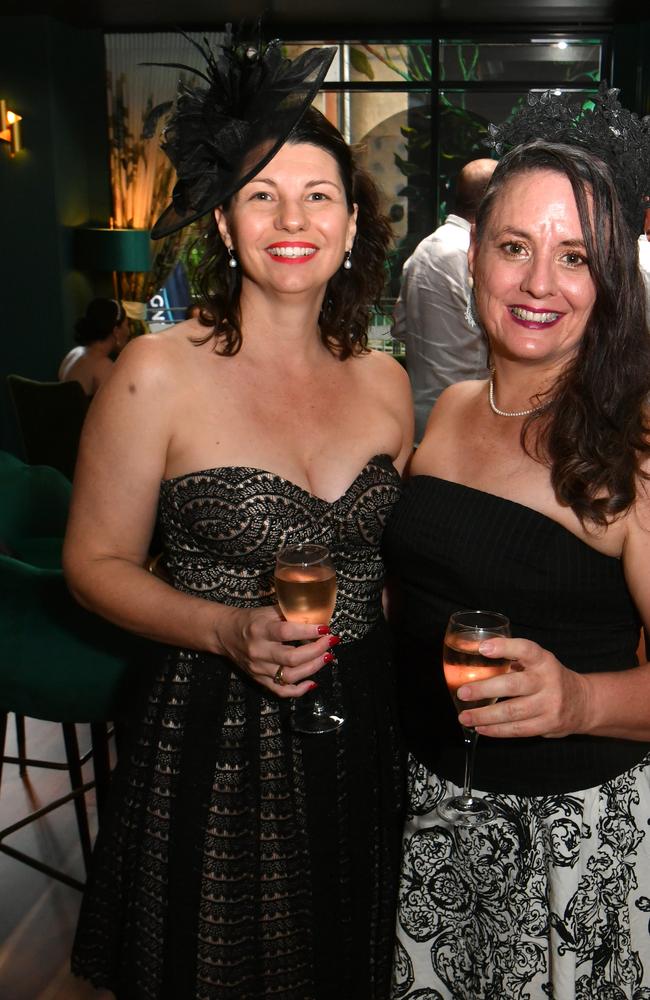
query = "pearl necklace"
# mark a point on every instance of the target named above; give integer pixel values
(510, 413)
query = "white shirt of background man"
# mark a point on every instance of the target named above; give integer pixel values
(429, 317)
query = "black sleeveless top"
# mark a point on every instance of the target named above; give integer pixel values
(452, 547)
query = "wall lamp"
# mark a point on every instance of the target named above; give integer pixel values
(10, 128)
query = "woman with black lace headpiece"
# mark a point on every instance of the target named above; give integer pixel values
(241, 859)
(529, 496)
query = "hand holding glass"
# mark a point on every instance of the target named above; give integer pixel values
(305, 586)
(463, 663)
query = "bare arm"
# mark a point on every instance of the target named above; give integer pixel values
(618, 704)
(121, 463)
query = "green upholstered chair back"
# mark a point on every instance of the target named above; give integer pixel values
(34, 501)
(50, 417)
(57, 661)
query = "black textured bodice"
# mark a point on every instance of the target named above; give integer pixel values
(223, 527)
(453, 547)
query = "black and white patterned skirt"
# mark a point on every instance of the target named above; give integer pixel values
(551, 900)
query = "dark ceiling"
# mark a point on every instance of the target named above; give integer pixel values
(290, 15)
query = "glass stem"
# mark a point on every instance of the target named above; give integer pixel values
(470, 737)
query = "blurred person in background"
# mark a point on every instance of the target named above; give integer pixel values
(100, 333)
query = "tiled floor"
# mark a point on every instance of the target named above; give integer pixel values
(38, 914)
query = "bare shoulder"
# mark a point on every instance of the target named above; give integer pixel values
(157, 349)
(385, 379)
(390, 388)
(446, 427)
(383, 370)
(151, 362)
(461, 394)
(132, 416)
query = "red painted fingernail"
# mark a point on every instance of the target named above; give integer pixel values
(312, 686)
(323, 630)
(334, 639)
(328, 658)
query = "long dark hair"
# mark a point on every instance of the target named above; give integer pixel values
(594, 432)
(350, 294)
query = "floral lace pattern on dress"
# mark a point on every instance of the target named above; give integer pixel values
(242, 861)
(223, 528)
(549, 900)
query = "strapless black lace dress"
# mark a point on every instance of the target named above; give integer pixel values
(240, 860)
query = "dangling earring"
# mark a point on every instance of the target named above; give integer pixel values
(233, 260)
(347, 260)
(470, 308)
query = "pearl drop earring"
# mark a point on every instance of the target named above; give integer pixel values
(233, 260)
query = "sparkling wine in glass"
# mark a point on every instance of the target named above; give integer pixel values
(463, 663)
(305, 586)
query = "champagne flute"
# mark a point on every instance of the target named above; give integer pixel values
(305, 586)
(463, 663)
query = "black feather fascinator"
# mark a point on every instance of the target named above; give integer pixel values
(224, 129)
(608, 130)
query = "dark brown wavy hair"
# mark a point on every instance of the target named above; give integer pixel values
(350, 294)
(594, 432)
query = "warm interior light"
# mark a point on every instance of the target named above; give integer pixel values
(10, 128)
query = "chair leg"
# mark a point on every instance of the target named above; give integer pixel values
(101, 763)
(121, 739)
(3, 733)
(21, 744)
(76, 781)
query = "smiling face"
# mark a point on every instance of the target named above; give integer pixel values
(291, 225)
(533, 288)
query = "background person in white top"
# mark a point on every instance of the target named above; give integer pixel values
(101, 333)
(441, 346)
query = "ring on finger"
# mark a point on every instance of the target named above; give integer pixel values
(279, 676)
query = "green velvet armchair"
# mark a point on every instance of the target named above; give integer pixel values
(50, 416)
(58, 662)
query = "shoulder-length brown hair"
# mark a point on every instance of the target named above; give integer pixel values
(350, 294)
(594, 432)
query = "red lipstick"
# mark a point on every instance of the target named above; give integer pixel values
(284, 254)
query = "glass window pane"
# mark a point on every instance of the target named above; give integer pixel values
(392, 133)
(464, 117)
(374, 62)
(568, 61)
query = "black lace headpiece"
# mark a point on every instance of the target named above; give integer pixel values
(617, 136)
(221, 134)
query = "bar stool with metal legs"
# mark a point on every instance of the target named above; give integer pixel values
(58, 662)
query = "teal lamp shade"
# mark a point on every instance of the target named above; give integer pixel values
(113, 249)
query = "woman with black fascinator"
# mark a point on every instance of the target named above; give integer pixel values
(529, 496)
(241, 858)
